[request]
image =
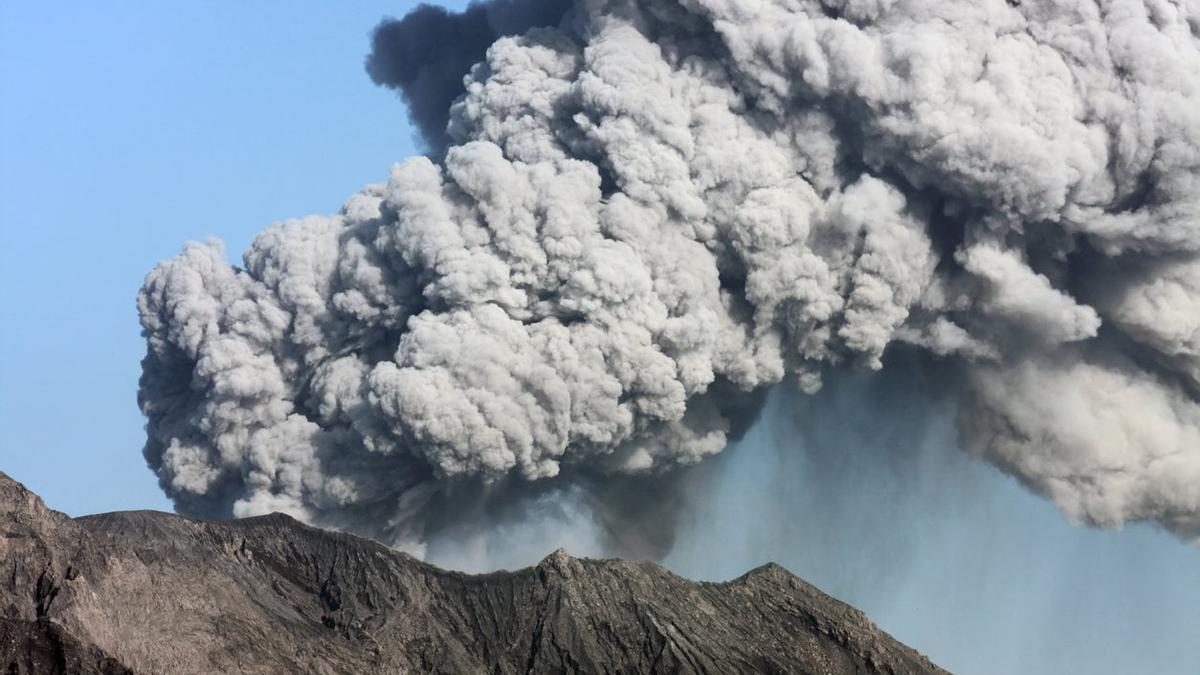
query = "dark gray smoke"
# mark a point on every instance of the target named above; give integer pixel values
(650, 212)
(426, 54)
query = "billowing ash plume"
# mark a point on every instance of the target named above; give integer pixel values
(650, 212)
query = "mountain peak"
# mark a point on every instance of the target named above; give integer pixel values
(561, 563)
(16, 498)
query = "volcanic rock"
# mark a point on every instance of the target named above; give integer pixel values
(149, 592)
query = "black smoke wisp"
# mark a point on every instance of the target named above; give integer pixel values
(650, 213)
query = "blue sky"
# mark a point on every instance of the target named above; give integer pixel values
(128, 128)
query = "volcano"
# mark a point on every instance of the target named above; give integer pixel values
(150, 592)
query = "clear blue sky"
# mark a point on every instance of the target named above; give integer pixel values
(128, 128)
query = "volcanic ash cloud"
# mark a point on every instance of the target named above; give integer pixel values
(640, 215)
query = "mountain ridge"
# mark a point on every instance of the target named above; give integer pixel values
(150, 592)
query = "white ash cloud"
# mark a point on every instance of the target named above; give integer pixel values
(646, 213)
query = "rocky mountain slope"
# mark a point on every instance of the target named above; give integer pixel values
(149, 592)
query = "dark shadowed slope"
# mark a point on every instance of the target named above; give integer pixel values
(158, 593)
(37, 647)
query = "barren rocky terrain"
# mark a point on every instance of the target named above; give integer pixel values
(149, 592)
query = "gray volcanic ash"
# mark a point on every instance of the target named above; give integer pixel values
(638, 216)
